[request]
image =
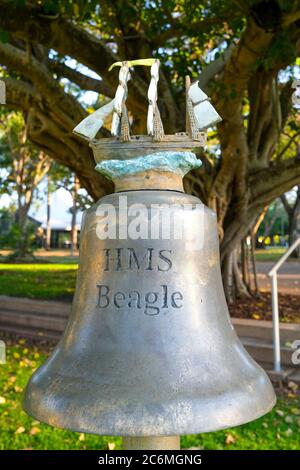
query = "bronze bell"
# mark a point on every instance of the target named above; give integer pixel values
(149, 349)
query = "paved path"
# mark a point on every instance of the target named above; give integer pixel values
(288, 277)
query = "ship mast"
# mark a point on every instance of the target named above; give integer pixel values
(191, 123)
(154, 122)
(120, 122)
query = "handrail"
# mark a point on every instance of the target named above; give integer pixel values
(275, 311)
(284, 257)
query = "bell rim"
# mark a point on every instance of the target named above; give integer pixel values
(167, 429)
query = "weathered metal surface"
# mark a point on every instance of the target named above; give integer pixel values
(149, 348)
(115, 149)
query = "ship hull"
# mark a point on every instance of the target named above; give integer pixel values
(114, 149)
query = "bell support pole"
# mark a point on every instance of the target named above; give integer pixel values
(151, 443)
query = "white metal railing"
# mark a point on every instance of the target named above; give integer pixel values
(275, 311)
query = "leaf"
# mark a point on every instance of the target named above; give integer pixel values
(230, 439)
(81, 437)
(289, 432)
(18, 389)
(4, 36)
(288, 419)
(20, 430)
(256, 316)
(2, 400)
(34, 431)
(279, 413)
(292, 385)
(111, 445)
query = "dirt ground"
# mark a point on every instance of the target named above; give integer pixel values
(261, 309)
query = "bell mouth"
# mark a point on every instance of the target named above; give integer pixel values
(119, 370)
(73, 404)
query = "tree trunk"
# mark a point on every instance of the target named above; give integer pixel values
(74, 232)
(293, 212)
(22, 223)
(48, 222)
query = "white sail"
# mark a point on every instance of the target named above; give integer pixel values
(92, 124)
(204, 112)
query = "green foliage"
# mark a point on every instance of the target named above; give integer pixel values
(13, 147)
(11, 232)
(277, 430)
(277, 217)
(3, 36)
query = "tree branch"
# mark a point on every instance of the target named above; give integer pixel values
(36, 72)
(214, 68)
(285, 203)
(83, 81)
(267, 184)
(61, 34)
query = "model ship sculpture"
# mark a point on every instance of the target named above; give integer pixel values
(200, 115)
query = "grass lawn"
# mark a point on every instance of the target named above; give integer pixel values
(38, 281)
(270, 254)
(280, 429)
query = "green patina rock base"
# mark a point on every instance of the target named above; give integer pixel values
(179, 163)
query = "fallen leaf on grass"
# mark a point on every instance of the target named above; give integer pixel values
(2, 400)
(289, 432)
(18, 389)
(81, 437)
(279, 412)
(230, 439)
(111, 446)
(34, 431)
(20, 430)
(288, 419)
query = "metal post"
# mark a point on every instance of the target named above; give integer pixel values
(151, 443)
(276, 326)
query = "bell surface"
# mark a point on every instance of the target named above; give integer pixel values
(149, 348)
